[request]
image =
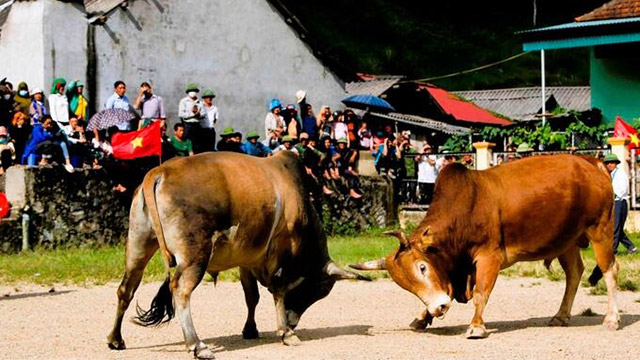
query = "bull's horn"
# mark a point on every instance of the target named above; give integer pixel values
(400, 235)
(339, 273)
(379, 264)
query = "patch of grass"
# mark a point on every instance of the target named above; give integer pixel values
(106, 264)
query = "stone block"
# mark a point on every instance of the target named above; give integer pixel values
(16, 186)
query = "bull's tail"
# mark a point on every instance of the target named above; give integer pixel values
(161, 310)
(149, 191)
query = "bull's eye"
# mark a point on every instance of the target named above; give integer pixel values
(423, 268)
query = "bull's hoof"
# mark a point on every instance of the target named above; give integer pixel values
(611, 324)
(477, 332)
(116, 344)
(291, 339)
(202, 351)
(418, 324)
(250, 333)
(559, 321)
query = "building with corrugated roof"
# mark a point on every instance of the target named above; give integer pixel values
(246, 51)
(612, 33)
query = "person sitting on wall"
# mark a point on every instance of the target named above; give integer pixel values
(310, 158)
(255, 148)
(79, 144)
(47, 140)
(19, 133)
(231, 141)
(182, 146)
(327, 164)
(345, 159)
(387, 157)
(287, 144)
(7, 150)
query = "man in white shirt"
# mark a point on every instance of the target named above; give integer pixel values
(119, 100)
(191, 111)
(427, 174)
(620, 183)
(208, 122)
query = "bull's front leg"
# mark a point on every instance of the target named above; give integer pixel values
(284, 332)
(420, 323)
(487, 269)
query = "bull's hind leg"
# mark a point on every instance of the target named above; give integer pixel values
(187, 277)
(602, 242)
(251, 296)
(141, 245)
(571, 263)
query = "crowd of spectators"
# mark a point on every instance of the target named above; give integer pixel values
(44, 130)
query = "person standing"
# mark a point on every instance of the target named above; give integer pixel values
(255, 148)
(209, 121)
(58, 103)
(119, 100)
(190, 111)
(427, 173)
(78, 104)
(150, 105)
(22, 98)
(37, 109)
(620, 182)
(273, 122)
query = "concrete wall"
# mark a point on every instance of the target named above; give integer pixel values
(22, 44)
(243, 50)
(65, 42)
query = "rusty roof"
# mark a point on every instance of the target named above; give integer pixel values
(615, 9)
(524, 103)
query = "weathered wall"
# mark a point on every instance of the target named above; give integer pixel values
(22, 44)
(243, 50)
(78, 209)
(65, 42)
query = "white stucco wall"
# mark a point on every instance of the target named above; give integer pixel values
(243, 50)
(21, 45)
(65, 42)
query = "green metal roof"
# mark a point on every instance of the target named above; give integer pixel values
(582, 34)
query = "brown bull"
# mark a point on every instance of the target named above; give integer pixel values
(480, 222)
(213, 212)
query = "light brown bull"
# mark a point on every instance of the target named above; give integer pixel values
(479, 222)
(217, 211)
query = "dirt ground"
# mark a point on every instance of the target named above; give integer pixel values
(357, 320)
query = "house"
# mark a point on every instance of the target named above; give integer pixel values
(246, 51)
(612, 34)
(524, 104)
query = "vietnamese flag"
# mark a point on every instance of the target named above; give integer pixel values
(137, 144)
(624, 130)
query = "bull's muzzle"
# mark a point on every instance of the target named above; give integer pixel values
(438, 305)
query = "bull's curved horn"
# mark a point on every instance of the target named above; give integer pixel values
(400, 235)
(379, 264)
(339, 273)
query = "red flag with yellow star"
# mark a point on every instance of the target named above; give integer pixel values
(624, 130)
(137, 144)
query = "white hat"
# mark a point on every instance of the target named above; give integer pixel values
(36, 91)
(300, 95)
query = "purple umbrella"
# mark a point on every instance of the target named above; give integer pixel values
(108, 118)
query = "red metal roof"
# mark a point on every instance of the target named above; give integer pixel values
(463, 110)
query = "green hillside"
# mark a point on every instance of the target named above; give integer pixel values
(423, 39)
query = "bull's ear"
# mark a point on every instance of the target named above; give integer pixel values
(400, 235)
(379, 264)
(338, 273)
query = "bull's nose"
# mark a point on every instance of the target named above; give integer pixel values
(443, 308)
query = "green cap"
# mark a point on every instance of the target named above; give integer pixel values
(192, 87)
(208, 93)
(229, 132)
(252, 134)
(287, 138)
(342, 141)
(611, 158)
(524, 147)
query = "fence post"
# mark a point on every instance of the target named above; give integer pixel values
(619, 147)
(484, 154)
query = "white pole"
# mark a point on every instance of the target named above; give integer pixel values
(544, 95)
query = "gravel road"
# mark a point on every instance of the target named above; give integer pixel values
(357, 320)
